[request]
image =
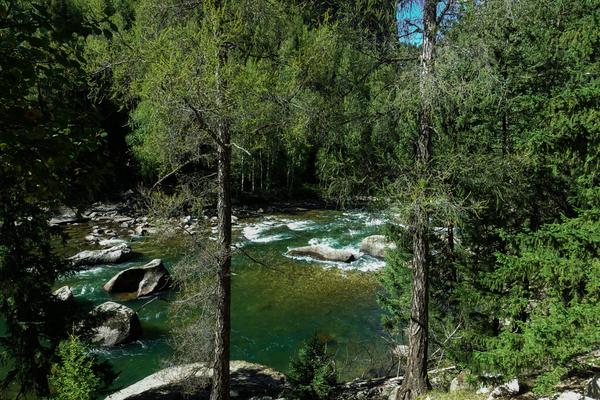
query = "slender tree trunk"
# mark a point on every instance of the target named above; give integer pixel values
(220, 380)
(415, 380)
(253, 174)
(242, 184)
(261, 172)
(268, 172)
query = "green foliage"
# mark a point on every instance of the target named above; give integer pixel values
(395, 281)
(28, 268)
(50, 149)
(519, 102)
(313, 371)
(47, 127)
(73, 377)
(170, 75)
(551, 305)
(546, 383)
(307, 101)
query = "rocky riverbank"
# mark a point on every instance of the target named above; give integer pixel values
(257, 382)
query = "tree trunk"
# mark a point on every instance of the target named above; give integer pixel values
(261, 171)
(253, 174)
(220, 380)
(242, 184)
(415, 379)
(220, 388)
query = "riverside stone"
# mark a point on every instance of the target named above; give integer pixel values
(115, 324)
(247, 380)
(115, 254)
(506, 390)
(148, 279)
(64, 293)
(570, 395)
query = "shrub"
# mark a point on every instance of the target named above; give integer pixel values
(313, 372)
(73, 377)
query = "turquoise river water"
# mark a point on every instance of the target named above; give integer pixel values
(273, 309)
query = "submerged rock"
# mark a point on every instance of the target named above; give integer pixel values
(115, 254)
(64, 293)
(115, 324)
(325, 253)
(376, 246)
(145, 280)
(247, 380)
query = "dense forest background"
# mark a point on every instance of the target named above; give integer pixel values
(322, 99)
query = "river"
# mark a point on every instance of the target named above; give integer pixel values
(274, 307)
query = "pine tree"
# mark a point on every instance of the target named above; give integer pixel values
(73, 376)
(48, 151)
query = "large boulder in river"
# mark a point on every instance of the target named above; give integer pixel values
(247, 380)
(115, 324)
(325, 253)
(376, 246)
(145, 280)
(115, 254)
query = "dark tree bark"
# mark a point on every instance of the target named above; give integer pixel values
(220, 387)
(220, 379)
(415, 381)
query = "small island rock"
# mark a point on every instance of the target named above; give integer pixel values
(145, 280)
(324, 253)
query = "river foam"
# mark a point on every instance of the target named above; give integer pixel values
(256, 232)
(302, 225)
(259, 232)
